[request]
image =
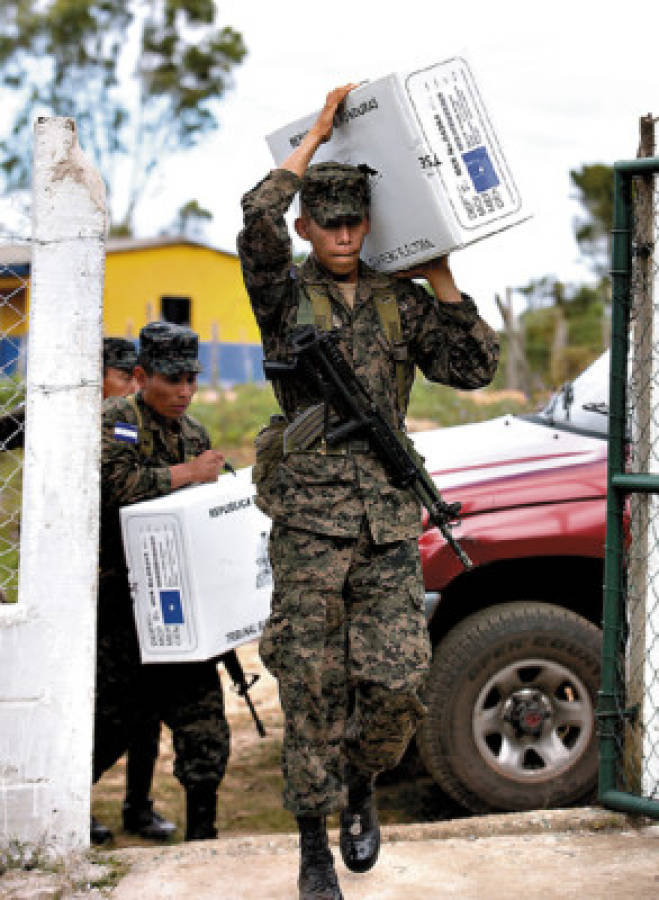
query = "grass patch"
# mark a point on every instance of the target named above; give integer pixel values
(11, 481)
(446, 407)
(234, 418)
(113, 871)
(249, 798)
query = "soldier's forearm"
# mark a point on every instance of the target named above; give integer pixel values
(181, 475)
(123, 484)
(298, 161)
(438, 274)
(443, 286)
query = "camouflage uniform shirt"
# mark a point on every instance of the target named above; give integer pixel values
(139, 470)
(330, 493)
(138, 448)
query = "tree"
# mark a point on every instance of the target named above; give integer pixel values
(141, 78)
(594, 184)
(190, 220)
(543, 292)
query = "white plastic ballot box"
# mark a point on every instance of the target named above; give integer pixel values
(199, 569)
(442, 178)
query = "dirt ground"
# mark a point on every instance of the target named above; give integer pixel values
(580, 853)
(535, 859)
(585, 854)
(249, 798)
(250, 794)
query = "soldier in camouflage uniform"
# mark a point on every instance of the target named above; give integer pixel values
(119, 358)
(138, 815)
(150, 448)
(346, 638)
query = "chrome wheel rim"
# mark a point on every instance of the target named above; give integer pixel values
(532, 720)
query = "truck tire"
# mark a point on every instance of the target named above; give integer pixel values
(511, 699)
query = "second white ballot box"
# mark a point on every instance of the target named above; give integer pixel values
(441, 178)
(199, 569)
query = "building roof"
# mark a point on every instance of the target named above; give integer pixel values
(12, 255)
(20, 254)
(119, 245)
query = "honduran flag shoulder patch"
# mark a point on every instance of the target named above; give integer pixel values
(123, 431)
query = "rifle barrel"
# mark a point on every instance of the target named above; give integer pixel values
(237, 674)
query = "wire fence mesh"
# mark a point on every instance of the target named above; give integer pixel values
(633, 565)
(639, 770)
(14, 294)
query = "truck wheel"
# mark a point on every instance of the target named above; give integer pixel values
(511, 698)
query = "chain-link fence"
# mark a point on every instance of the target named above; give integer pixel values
(629, 700)
(14, 291)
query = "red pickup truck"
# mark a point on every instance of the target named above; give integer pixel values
(516, 660)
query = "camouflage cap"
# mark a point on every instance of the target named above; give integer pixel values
(333, 190)
(119, 353)
(168, 349)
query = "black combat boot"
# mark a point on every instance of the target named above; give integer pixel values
(141, 818)
(360, 830)
(317, 879)
(201, 809)
(99, 833)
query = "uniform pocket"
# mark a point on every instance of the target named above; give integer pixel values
(269, 445)
(274, 640)
(317, 469)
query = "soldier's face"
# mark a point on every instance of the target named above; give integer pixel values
(169, 395)
(337, 247)
(118, 383)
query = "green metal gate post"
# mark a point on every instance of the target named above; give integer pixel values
(611, 712)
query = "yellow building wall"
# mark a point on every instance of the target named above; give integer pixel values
(136, 279)
(14, 307)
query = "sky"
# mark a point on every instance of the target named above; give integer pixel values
(564, 82)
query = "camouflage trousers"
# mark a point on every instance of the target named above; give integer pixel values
(348, 644)
(132, 697)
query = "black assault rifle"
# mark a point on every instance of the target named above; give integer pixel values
(237, 674)
(317, 358)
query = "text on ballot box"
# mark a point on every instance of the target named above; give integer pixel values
(198, 568)
(441, 179)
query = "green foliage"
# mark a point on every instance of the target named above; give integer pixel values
(69, 58)
(236, 417)
(542, 292)
(594, 184)
(191, 219)
(10, 510)
(12, 392)
(445, 406)
(575, 314)
(582, 307)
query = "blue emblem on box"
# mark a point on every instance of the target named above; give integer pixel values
(172, 610)
(480, 168)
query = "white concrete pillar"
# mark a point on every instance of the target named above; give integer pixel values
(47, 644)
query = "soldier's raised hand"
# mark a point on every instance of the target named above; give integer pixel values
(324, 124)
